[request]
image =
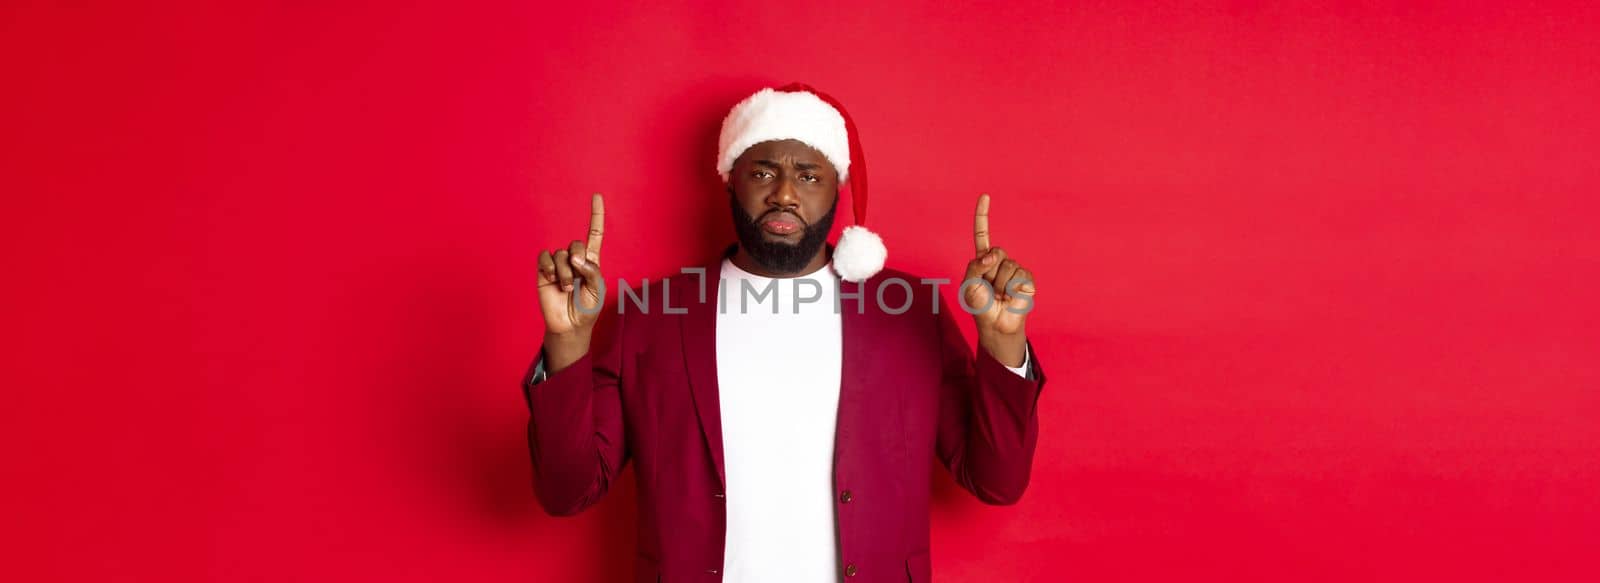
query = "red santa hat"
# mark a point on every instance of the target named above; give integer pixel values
(798, 112)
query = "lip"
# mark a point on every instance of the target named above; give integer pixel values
(781, 224)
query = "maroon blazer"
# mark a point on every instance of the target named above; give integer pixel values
(910, 390)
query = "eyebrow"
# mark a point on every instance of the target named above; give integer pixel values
(800, 165)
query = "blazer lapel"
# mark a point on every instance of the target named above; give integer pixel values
(858, 339)
(699, 328)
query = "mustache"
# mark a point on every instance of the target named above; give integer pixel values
(764, 216)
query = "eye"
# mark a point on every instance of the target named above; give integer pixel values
(810, 178)
(761, 174)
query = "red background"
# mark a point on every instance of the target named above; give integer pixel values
(1318, 282)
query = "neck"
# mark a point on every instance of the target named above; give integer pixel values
(744, 261)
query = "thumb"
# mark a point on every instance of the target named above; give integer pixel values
(592, 280)
(978, 295)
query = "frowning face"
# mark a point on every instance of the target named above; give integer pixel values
(784, 194)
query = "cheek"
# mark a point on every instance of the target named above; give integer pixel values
(817, 206)
(749, 200)
(742, 194)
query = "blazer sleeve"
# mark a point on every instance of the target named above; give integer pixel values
(575, 427)
(988, 417)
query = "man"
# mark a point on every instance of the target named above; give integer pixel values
(783, 421)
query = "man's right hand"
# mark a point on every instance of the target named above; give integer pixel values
(563, 275)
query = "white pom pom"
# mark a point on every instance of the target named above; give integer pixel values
(859, 254)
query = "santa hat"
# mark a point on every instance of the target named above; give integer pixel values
(798, 112)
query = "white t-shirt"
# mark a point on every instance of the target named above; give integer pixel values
(778, 381)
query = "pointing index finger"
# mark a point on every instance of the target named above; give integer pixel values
(980, 224)
(597, 225)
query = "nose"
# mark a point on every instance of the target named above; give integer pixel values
(784, 196)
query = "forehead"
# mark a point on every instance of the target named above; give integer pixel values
(785, 152)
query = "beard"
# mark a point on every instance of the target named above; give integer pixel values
(780, 256)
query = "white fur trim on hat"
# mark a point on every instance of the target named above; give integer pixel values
(781, 115)
(859, 255)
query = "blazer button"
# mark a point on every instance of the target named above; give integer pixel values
(720, 496)
(846, 497)
(711, 571)
(850, 570)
